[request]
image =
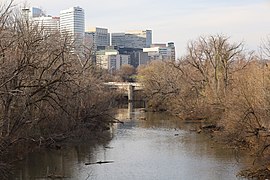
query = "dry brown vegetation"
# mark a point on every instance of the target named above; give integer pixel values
(219, 82)
(125, 72)
(47, 93)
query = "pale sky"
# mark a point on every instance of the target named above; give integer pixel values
(179, 21)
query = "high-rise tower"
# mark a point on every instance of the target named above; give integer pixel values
(72, 23)
(171, 45)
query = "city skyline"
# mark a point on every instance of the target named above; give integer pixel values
(177, 21)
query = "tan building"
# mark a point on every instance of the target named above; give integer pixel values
(111, 59)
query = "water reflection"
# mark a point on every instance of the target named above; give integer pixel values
(147, 146)
(65, 163)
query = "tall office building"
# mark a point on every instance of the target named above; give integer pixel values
(118, 39)
(36, 12)
(72, 23)
(133, 39)
(171, 45)
(132, 43)
(97, 38)
(137, 56)
(143, 37)
(148, 34)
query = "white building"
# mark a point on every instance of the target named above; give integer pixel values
(97, 38)
(132, 39)
(72, 23)
(106, 61)
(160, 52)
(47, 23)
(38, 17)
(153, 53)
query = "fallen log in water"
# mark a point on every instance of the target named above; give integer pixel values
(211, 126)
(99, 162)
(56, 176)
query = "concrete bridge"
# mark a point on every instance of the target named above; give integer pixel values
(126, 86)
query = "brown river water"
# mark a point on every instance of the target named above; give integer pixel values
(148, 146)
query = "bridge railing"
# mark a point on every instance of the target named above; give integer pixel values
(124, 84)
(128, 86)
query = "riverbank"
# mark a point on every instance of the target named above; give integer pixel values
(231, 93)
(18, 151)
(158, 146)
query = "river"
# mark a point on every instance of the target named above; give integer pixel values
(148, 146)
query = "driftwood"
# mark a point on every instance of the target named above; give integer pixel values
(116, 121)
(99, 162)
(196, 118)
(53, 176)
(108, 147)
(211, 126)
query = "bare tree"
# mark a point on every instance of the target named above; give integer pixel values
(213, 57)
(220, 83)
(126, 71)
(46, 91)
(161, 83)
(265, 48)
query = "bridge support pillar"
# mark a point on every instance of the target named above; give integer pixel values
(130, 92)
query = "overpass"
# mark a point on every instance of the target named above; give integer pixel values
(126, 86)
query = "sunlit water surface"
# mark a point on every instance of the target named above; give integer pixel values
(150, 146)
